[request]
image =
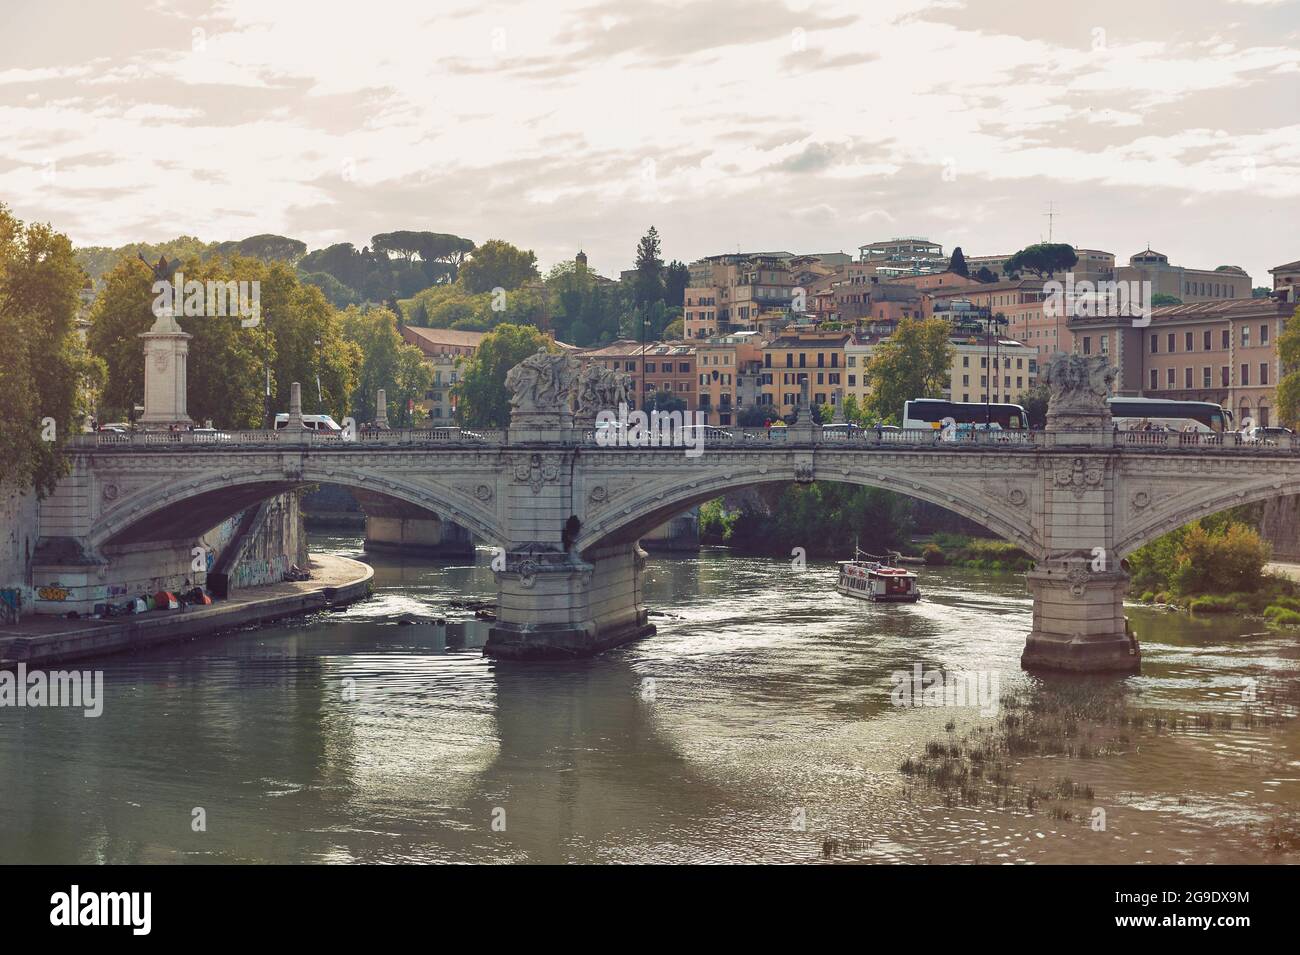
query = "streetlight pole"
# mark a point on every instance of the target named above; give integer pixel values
(320, 364)
(268, 421)
(988, 371)
(644, 322)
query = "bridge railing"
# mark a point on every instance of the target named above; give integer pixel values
(713, 437)
(404, 437)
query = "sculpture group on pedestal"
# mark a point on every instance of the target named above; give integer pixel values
(1078, 389)
(552, 384)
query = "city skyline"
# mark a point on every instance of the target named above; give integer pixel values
(727, 126)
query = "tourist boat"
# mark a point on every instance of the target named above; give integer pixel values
(868, 577)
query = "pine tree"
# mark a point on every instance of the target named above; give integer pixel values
(649, 285)
(958, 263)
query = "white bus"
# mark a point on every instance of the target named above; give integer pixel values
(1158, 414)
(968, 415)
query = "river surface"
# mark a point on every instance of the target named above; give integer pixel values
(757, 725)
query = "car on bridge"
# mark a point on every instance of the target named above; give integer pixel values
(320, 423)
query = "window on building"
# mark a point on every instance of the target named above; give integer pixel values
(1263, 373)
(1171, 377)
(1087, 345)
(1187, 341)
(1227, 339)
(1263, 337)
(1155, 344)
(1207, 377)
(1172, 340)
(1206, 340)
(1223, 375)
(1245, 336)
(1187, 377)
(1245, 375)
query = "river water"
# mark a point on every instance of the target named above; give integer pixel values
(757, 725)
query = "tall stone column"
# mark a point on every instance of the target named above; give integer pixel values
(166, 352)
(1079, 587)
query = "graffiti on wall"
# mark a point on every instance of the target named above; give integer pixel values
(256, 571)
(52, 593)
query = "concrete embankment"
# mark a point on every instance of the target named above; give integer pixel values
(45, 640)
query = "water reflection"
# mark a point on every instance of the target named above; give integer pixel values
(756, 725)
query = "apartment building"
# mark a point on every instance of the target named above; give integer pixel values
(1187, 285)
(991, 368)
(1220, 351)
(720, 363)
(1286, 278)
(654, 366)
(730, 293)
(1019, 301)
(445, 351)
(815, 356)
(905, 255)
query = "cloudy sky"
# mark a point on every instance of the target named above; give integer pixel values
(755, 124)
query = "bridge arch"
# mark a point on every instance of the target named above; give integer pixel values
(190, 506)
(661, 500)
(1206, 501)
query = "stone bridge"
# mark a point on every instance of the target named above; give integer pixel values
(566, 505)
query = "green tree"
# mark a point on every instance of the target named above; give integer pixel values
(913, 362)
(42, 368)
(676, 278)
(1288, 388)
(1160, 298)
(386, 361)
(1034, 401)
(958, 263)
(649, 285)
(985, 275)
(1043, 259)
(267, 247)
(120, 315)
(756, 416)
(665, 401)
(498, 264)
(482, 398)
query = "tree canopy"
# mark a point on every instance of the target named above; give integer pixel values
(1043, 259)
(482, 398)
(498, 264)
(913, 362)
(43, 363)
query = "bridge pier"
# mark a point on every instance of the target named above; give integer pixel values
(556, 606)
(1079, 622)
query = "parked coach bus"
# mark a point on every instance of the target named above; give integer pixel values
(1133, 414)
(969, 415)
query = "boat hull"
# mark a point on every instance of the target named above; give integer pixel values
(880, 598)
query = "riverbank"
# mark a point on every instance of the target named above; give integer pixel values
(39, 641)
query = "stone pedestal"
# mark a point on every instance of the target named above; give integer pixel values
(557, 606)
(381, 410)
(542, 427)
(166, 352)
(1079, 622)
